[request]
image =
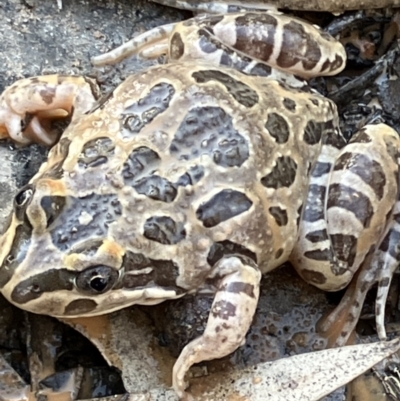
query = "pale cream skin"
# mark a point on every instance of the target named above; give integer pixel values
(196, 177)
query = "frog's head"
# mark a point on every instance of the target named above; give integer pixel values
(59, 257)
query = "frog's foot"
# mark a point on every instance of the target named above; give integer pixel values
(27, 106)
(350, 210)
(338, 326)
(386, 261)
(231, 314)
(150, 44)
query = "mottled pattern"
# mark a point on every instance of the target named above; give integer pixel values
(283, 173)
(278, 127)
(82, 218)
(140, 164)
(210, 130)
(96, 152)
(223, 206)
(164, 230)
(241, 92)
(145, 110)
(194, 176)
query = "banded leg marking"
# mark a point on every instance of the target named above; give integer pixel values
(251, 42)
(386, 261)
(353, 217)
(231, 314)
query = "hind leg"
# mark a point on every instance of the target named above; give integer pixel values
(346, 216)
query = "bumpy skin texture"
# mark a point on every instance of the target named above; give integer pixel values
(194, 176)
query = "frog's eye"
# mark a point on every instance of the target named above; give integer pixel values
(23, 198)
(97, 279)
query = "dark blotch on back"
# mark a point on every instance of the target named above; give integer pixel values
(142, 162)
(49, 281)
(241, 92)
(298, 46)
(139, 114)
(279, 214)
(223, 206)
(313, 132)
(283, 173)
(289, 104)
(191, 177)
(210, 131)
(68, 229)
(176, 46)
(164, 229)
(138, 172)
(157, 188)
(228, 248)
(148, 272)
(96, 152)
(348, 198)
(278, 127)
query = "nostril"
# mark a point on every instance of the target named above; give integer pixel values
(35, 288)
(23, 199)
(24, 196)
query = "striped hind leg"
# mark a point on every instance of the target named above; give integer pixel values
(346, 216)
(386, 261)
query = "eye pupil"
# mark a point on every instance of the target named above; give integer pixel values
(97, 280)
(98, 283)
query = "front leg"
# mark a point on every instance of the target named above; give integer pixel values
(231, 314)
(347, 214)
(29, 104)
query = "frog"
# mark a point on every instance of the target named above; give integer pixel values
(198, 176)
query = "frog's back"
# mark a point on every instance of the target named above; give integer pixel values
(203, 162)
